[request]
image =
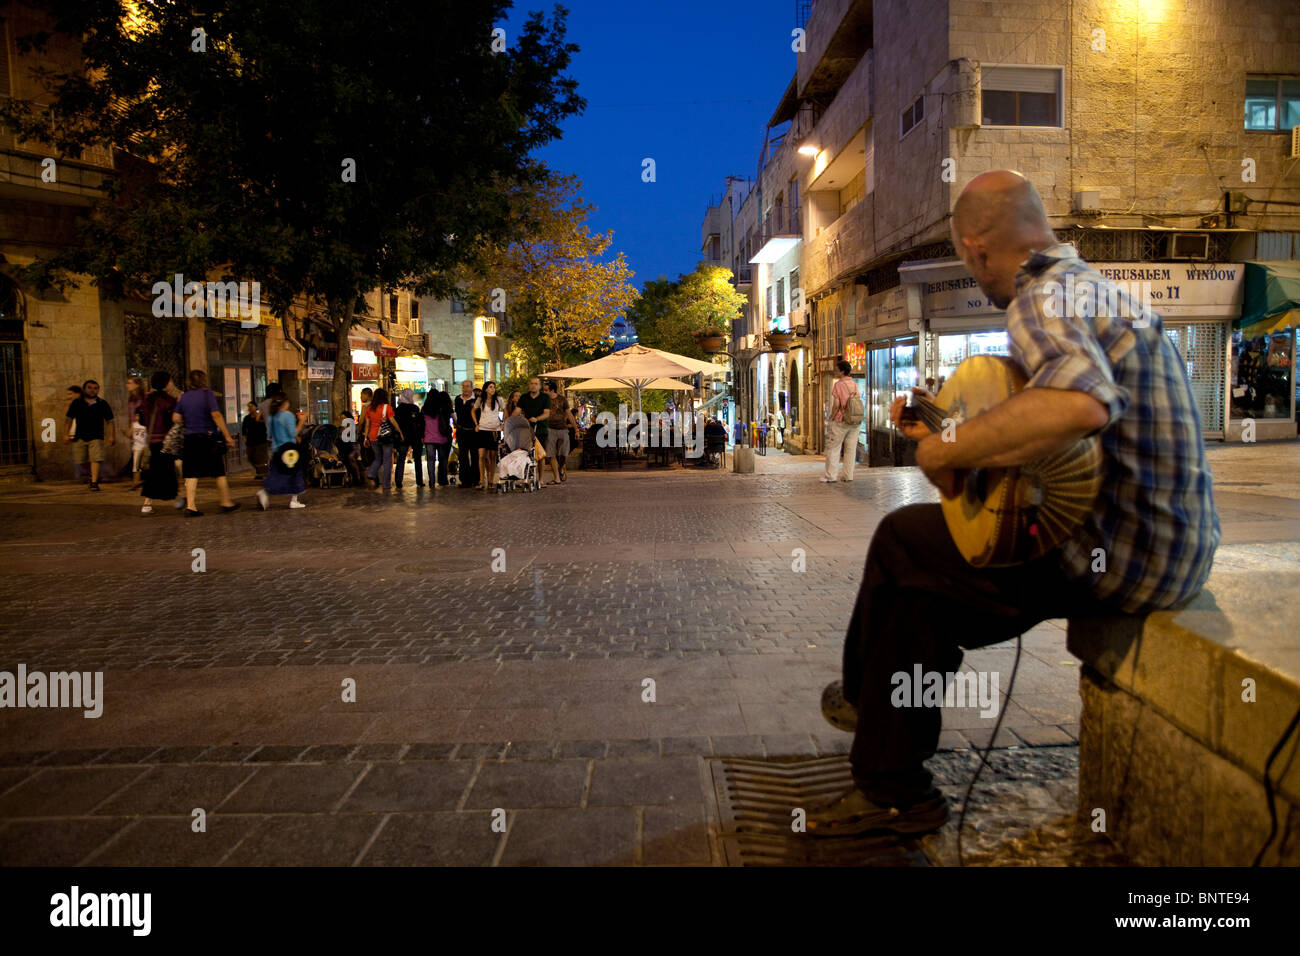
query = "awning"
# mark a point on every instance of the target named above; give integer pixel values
(1272, 297)
(375, 342)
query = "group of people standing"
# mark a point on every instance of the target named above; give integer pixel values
(476, 421)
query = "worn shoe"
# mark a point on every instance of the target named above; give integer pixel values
(226, 509)
(263, 499)
(94, 486)
(825, 480)
(191, 513)
(146, 510)
(179, 503)
(296, 504)
(854, 814)
(839, 713)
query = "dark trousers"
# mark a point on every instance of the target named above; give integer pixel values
(921, 603)
(438, 454)
(399, 463)
(467, 456)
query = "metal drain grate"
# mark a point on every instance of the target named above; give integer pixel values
(755, 800)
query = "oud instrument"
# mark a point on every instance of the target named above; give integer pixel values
(1003, 516)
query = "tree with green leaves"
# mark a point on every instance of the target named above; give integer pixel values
(560, 290)
(322, 149)
(669, 315)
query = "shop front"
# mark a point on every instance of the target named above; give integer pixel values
(413, 373)
(365, 374)
(236, 368)
(892, 367)
(1197, 303)
(1263, 353)
(320, 391)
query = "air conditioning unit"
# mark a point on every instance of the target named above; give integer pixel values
(799, 321)
(426, 343)
(1189, 245)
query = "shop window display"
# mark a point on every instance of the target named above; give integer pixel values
(1263, 375)
(955, 349)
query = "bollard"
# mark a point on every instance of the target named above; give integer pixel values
(742, 460)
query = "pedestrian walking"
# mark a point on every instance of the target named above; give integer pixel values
(135, 395)
(367, 453)
(560, 428)
(160, 482)
(382, 435)
(437, 433)
(206, 441)
(89, 419)
(537, 407)
(253, 430)
(846, 414)
(411, 420)
(347, 445)
(487, 423)
(287, 469)
(467, 473)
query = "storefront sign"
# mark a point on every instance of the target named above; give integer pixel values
(957, 296)
(320, 371)
(856, 354)
(1182, 288)
(365, 373)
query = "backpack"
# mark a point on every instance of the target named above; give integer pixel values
(854, 411)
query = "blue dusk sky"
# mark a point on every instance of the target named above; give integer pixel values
(690, 85)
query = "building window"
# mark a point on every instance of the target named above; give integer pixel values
(480, 371)
(1020, 96)
(415, 308)
(911, 116)
(392, 306)
(780, 297)
(1272, 103)
(459, 370)
(796, 294)
(771, 302)
(457, 304)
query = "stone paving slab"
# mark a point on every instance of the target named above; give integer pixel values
(519, 691)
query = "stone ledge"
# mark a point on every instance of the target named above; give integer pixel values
(1189, 665)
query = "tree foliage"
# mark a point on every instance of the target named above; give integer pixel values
(669, 314)
(561, 292)
(248, 141)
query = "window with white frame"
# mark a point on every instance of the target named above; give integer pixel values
(1020, 95)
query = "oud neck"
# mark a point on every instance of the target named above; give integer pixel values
(928, 413)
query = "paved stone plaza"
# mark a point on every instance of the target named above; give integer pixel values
(479, 690)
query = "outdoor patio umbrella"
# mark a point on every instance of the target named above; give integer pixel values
(609, 385)
(636, 367)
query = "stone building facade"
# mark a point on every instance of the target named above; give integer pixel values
(1129, 121)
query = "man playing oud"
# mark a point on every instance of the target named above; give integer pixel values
(1147, 544)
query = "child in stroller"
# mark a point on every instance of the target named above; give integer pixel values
(518, 462)
(327, 468)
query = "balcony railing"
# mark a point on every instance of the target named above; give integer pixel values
(783, 222)
(743, 276)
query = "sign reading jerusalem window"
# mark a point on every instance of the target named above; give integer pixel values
(1170, 289)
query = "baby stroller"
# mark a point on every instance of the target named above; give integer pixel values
(522, 471)
(326, 469)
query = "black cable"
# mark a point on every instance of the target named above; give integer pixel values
(984, 757)
(1268, 788)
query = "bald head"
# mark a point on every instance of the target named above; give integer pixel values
(997, 221)
(999, 207)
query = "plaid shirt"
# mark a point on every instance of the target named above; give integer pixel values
(1155, 519)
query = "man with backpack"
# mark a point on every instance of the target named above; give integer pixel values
(846, 417)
